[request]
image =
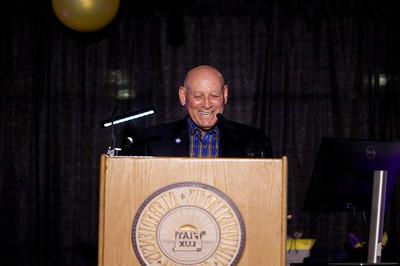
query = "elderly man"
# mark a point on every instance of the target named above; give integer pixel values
(204, 132)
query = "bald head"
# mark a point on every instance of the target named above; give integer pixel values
(201, 72)
(204, 95)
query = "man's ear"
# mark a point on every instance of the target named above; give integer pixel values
(226, 93)
(182, 95)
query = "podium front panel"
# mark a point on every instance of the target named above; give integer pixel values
(257, 187)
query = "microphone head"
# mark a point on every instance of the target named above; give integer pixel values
(129, 140)
(220, 116)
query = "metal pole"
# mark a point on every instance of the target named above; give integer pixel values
(377, 217)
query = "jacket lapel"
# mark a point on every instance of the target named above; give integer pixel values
(180, 138)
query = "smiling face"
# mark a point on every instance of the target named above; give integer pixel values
(204, 95)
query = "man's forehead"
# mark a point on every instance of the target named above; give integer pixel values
(204, 87)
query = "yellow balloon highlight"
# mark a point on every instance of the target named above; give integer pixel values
(85, 15)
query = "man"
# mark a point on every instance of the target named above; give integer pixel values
(202, 133)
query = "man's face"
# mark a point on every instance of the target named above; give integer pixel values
(204, 97)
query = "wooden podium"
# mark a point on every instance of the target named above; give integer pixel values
(258, 188)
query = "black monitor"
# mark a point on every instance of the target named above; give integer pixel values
(343, 173)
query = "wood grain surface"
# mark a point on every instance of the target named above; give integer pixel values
(258, 187)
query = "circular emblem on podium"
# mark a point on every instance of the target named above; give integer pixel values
(188, 224)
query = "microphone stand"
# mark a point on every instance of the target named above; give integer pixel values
(112, 150)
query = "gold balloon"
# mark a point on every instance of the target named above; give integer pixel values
(85, 15)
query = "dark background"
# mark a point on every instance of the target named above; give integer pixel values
(299, 70)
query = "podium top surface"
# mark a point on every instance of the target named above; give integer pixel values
(191, 158)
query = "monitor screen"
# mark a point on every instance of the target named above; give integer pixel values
(343, 173)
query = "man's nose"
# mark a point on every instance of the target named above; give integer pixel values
(207, 102)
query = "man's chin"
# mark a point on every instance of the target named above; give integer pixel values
(205, 124)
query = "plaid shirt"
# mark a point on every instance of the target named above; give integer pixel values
(206, 146)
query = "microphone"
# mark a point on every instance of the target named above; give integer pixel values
(258, 149)
(223, 121)
(129, 140)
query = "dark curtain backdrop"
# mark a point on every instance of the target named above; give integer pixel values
(299, 70)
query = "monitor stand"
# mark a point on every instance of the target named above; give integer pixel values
(376, 224)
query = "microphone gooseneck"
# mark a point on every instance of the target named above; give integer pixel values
(223, 121)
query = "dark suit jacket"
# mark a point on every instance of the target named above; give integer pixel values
(172, 139)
